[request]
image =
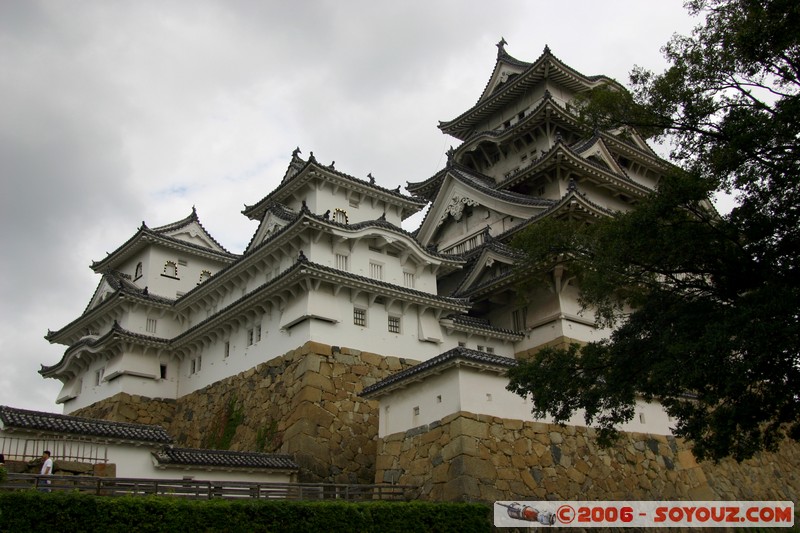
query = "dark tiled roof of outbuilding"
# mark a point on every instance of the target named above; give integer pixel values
(458, 353)
(224, 459)
(21, 419)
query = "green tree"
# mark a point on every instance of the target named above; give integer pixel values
(705, 308)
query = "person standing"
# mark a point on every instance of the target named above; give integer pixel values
(47, 468)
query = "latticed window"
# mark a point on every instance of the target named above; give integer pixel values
(408, 279)
(340, 216)
(394, 324)
(359, 316)
(257, 331)
(376, 271)
(341, 262)
(151, 325)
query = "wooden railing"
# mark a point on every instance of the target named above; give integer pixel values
(200, 489)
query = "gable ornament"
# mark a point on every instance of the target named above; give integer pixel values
(456, 207)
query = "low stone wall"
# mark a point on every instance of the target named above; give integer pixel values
(468, 457)
(63, 468)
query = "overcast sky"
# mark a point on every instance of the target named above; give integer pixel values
(112, 113)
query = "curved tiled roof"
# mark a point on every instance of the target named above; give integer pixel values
(303, 264)
(92, 341)
(448, 358)
(549, 158)
(123, 287)
(159, 234)
(256, 211)
(21, 419)
(224, 459)
(481, 324)
(459, 127)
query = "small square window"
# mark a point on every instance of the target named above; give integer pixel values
(489, 349)
(359, 316)
(416, 411)
(394, 324)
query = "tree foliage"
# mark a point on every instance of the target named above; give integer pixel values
(705, 308)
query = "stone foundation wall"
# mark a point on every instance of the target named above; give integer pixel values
(304, 403)
(131, 408)
(468, 457)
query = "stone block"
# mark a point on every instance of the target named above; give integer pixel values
(308, 394)
(465, 465)
(686, 459)
(371, 359)
(470, 427)
(460, 489)
(459, 446)
(317, 348)
(314, 379)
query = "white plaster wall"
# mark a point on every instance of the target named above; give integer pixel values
(485, 393)
(368, 208)
(439, 397)
(149, 387)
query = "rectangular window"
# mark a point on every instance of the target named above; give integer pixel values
(462, 344)
(359, 316)
(376, 271)
(249, 337)
(163, 369)
(394, 324)
(480, 348)
(195, 365)
(151, 325)
(182, 262)
(341, 262)
(520, 318)
(408, 279)
(226, 351)
(98, 377)
(258, 332)
(489, 349)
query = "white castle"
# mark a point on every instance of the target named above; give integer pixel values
(174, 311)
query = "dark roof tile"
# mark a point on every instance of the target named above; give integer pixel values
(54, 423)
(224, 459)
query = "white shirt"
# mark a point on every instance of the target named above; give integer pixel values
(47, 467)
